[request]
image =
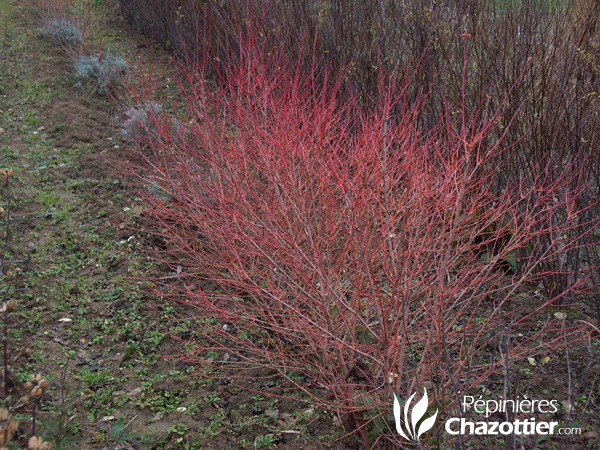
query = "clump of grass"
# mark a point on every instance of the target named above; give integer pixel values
(63, 32)
(101, 73)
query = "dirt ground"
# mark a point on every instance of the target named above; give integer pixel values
(89, 322)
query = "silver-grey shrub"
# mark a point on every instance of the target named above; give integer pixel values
(140, 124)
(63, 32)
(101, 73)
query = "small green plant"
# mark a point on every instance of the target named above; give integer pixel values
(265, 441)
(179, 429)
(95, 377)
(63, 32)
(213, 397)
(101, 73)
(119, 433)
(257, 399)
(164, 401)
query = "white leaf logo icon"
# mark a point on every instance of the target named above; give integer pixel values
(427, 425)
(410, 431)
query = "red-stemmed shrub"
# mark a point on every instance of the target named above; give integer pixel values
(554, 107)
(351, 252)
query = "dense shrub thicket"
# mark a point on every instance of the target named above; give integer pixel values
(370, 213)
(554, 106)
(352, 252)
